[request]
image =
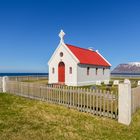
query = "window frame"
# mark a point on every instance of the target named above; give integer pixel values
(53, 70)
(96, 71)
(61, 54)
(88, 68)
(70, 70)
(103, 71)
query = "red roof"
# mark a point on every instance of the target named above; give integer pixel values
(89, 57)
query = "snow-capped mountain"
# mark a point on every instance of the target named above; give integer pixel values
(133, 67)
(135, 64)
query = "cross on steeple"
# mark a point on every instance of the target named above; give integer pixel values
(61, 35)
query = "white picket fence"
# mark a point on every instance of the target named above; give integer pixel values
(1, 86)
(119, 106)
(95, 102)
(135, 99)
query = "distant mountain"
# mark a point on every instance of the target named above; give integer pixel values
(130, 68)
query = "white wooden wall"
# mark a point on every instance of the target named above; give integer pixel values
(84, 79)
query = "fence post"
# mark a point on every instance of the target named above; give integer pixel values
(124, 103)
(4, 80)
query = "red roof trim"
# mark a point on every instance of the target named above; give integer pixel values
(88, 57)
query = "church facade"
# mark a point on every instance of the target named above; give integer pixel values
(75, 66)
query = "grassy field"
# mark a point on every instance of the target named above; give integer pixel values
(101, 87)
(134, 80)
(25, 119)
(37, 81)
(109, 87)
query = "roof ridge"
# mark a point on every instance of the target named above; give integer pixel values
(81, 48)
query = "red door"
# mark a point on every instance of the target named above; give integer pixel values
(61, 72)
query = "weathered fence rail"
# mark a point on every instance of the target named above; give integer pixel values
(135, 99)
(95, 102)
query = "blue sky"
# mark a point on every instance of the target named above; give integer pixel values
(29, 30)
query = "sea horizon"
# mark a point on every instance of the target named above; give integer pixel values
(23, 74)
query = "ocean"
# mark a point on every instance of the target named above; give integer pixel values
(23, 74)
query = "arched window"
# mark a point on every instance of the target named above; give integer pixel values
(88, 70)
(70, 70)
(103, 71)
(61, 54)
(96, 71)
(53, 70)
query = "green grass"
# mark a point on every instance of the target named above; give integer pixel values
(113, 88)
(109, 87)
(25, 119)
(134, 80)
(102, 87)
